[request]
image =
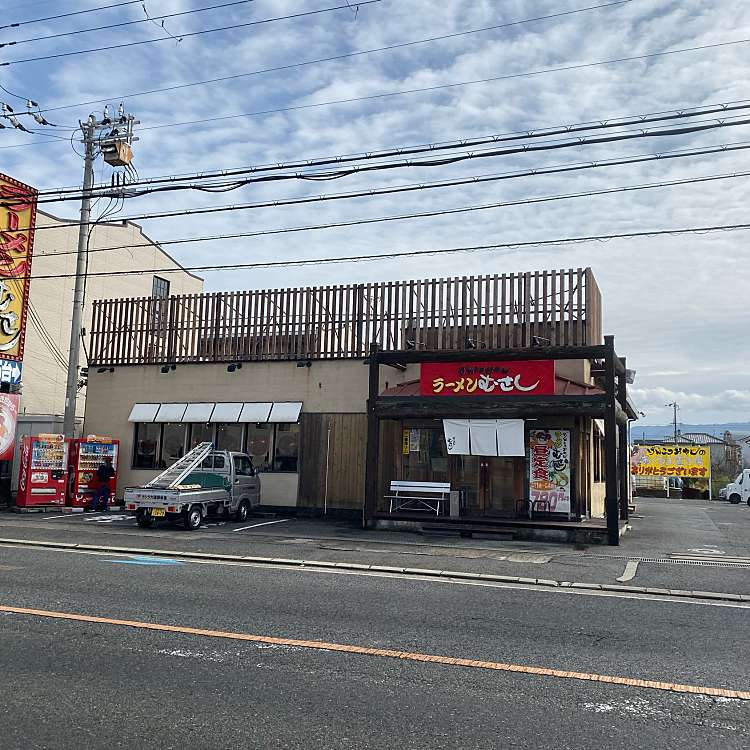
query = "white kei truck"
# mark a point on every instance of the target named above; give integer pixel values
(738, 491)
(203, 482)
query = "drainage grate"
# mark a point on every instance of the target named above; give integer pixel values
(668, 560)
(701, 563)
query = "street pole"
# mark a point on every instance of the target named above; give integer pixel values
(675, 406)
(89, 134)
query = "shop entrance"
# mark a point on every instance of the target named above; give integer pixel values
(488, 485)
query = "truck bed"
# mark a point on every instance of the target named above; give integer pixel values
(156, 497)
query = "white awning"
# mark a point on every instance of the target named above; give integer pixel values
(205, 412)
(143, 412)
(255, 412)
(198, 413)
(229, 412)
(287, 411)
(170, 413)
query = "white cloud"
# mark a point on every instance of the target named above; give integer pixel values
(675, 304)
(729, 405)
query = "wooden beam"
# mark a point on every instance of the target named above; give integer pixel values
(479, 355)
(487, 407)
(623, 447)
(610, 446)
(373, 440)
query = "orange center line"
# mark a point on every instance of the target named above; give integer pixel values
(387, 653)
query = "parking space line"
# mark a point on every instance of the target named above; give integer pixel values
(389, 654)
(264, 523)
(65, 515)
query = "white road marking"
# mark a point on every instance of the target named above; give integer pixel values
(66, 515)
(630, 569)
(708, 551)
(312, 570)
(265, 523)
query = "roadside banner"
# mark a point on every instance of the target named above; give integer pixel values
(8, 419)
(686, 461)
(550, 469)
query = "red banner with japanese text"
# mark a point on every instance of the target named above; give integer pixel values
(523, 378)
(17, 220)
(8, 419)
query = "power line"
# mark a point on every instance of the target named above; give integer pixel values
(604, 123)
(46, 338)
(422, 186)
(439, 87)
(333, 58)
(362, 169)
(67, 15)
(231, 27)
(418, 215)
(416, 253)
(125, 23)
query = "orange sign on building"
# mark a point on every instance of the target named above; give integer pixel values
(17, 220)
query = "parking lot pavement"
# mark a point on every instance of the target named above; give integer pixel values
(689, 545)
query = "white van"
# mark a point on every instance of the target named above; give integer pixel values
(739, 490)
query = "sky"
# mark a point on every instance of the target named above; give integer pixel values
(676, 304)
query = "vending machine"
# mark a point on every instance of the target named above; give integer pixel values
(42, 471)
(85, 456)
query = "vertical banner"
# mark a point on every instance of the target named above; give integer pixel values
(17, 220)
(8, 419)
(549, 469)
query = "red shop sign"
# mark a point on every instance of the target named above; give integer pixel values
(523, 378)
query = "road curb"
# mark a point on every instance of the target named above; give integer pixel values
(360, 567)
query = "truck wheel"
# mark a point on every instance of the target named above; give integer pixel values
(734, 498)
(143, 519)
(193, 518)
(242, 512)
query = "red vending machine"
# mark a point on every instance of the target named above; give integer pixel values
(85, 457)
(43, 471)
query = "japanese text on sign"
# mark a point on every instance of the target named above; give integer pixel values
(10, 372)
(17, 218)
(529, 378)
(670, 461)
(550, 469)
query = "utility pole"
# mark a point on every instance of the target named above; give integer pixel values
(71, 391)
(675, 406)
(113, 138)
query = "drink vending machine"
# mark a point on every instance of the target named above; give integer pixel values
(85, 456)
(42, 471)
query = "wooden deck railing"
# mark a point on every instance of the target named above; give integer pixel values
(493, 311)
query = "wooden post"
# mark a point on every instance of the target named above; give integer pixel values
(622, 446)
(610, 446)
(373, 439)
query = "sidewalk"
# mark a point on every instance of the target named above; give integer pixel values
(688, 545)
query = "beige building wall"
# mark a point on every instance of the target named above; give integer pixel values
(51, 300)
(327, 386)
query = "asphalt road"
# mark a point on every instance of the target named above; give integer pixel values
(660, 529)
(70, 684)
